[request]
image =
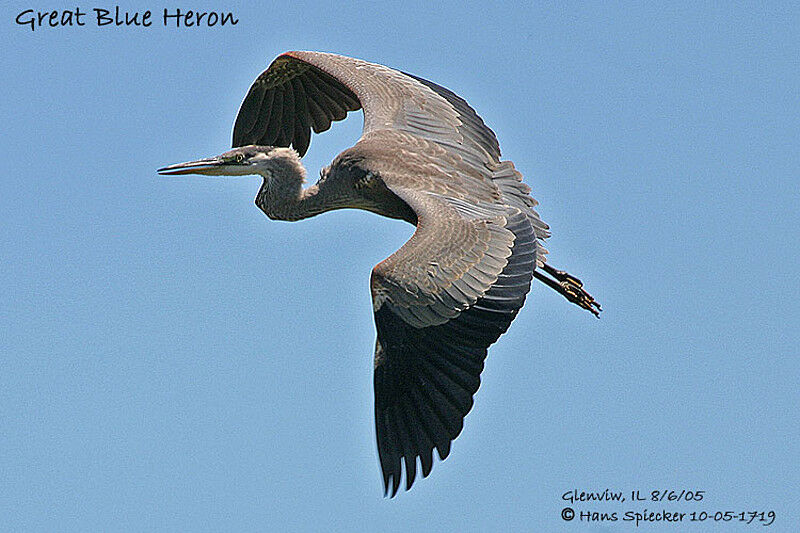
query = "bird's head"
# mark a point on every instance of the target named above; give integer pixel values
(242, 161)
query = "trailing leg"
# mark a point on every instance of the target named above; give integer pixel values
(569, 287)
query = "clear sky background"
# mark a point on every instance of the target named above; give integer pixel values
(173, 360)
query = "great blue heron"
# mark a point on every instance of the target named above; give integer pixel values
(427, 158)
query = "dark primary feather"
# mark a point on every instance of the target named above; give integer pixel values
(286, 101)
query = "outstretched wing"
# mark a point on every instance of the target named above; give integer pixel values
(439, 302)
(304, 90)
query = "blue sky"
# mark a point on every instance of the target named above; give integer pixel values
(173, 360)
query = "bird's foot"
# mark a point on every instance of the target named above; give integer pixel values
(575, 293)
(572, 289)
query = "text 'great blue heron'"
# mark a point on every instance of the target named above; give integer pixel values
(427, 158)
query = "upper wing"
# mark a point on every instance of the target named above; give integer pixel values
(439, 302)
(304, 90)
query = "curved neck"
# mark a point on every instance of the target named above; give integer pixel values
(282, 196)
(289, 201)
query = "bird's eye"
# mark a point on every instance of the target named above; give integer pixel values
(239, 158)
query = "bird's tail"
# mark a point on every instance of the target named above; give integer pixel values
(516, 193)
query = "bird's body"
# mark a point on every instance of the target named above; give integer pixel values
(427, 158)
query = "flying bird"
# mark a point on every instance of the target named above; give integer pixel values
(427, 158)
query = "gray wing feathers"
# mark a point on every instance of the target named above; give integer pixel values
(453, 258)
(388, 96)
(472, 126)
(517, 194)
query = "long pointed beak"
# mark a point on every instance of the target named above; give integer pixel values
(201, 166)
